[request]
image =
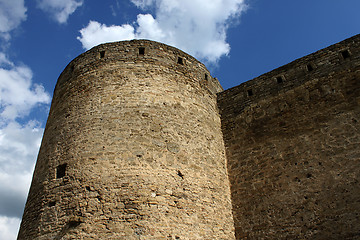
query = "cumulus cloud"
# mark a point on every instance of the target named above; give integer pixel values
(60, 10)
(195, 26)
(9, 227)
(19, 136)
(17, 93)
(4, 61)
(19, 145)
(12, 13)
(100, 33)
(20, 139)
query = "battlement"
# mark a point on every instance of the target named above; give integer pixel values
(324, 62)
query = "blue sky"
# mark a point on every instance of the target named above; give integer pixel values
(238, 40)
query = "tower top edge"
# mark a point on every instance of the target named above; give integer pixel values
(323, 60)
(140, 51)
(142, 43)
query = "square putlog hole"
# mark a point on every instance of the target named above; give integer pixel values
(141, 51)
(309, 67)
(61, 170)
(345, 54)
(180, 61)
(102, 54)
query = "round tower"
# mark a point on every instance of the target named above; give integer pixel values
(132, 149)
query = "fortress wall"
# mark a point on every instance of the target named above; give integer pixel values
(292, 146)
(132, 150)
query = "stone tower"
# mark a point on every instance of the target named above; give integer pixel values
(132, 149)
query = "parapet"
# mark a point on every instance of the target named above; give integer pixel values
(146, 52)
(294, 74)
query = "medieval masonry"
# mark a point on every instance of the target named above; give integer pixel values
(142, 142)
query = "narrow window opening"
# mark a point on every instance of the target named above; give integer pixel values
(74, 223)
(206, 77)
(141, 51)
(250, 92)
(279, 79)
(102, 54)
(309, 67)
(180, 174)
(180, 61)
(61, 170)
(345, 54)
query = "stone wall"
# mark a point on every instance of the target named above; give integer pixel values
(132, 149)
(292, 143)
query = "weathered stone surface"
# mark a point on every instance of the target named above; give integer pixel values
(141, 139)
(134, 149)
(293, 148)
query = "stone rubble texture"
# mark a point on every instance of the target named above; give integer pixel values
(136, 139)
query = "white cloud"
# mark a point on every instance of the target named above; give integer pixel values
(4, 61)
(17, 93)
(143, 3)
(12, 13)
(9, 227)
(19, 145)
(60, 10)
(19, 142)
(100, 33)
(195, 26)
(149, 28)
(115, 7)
